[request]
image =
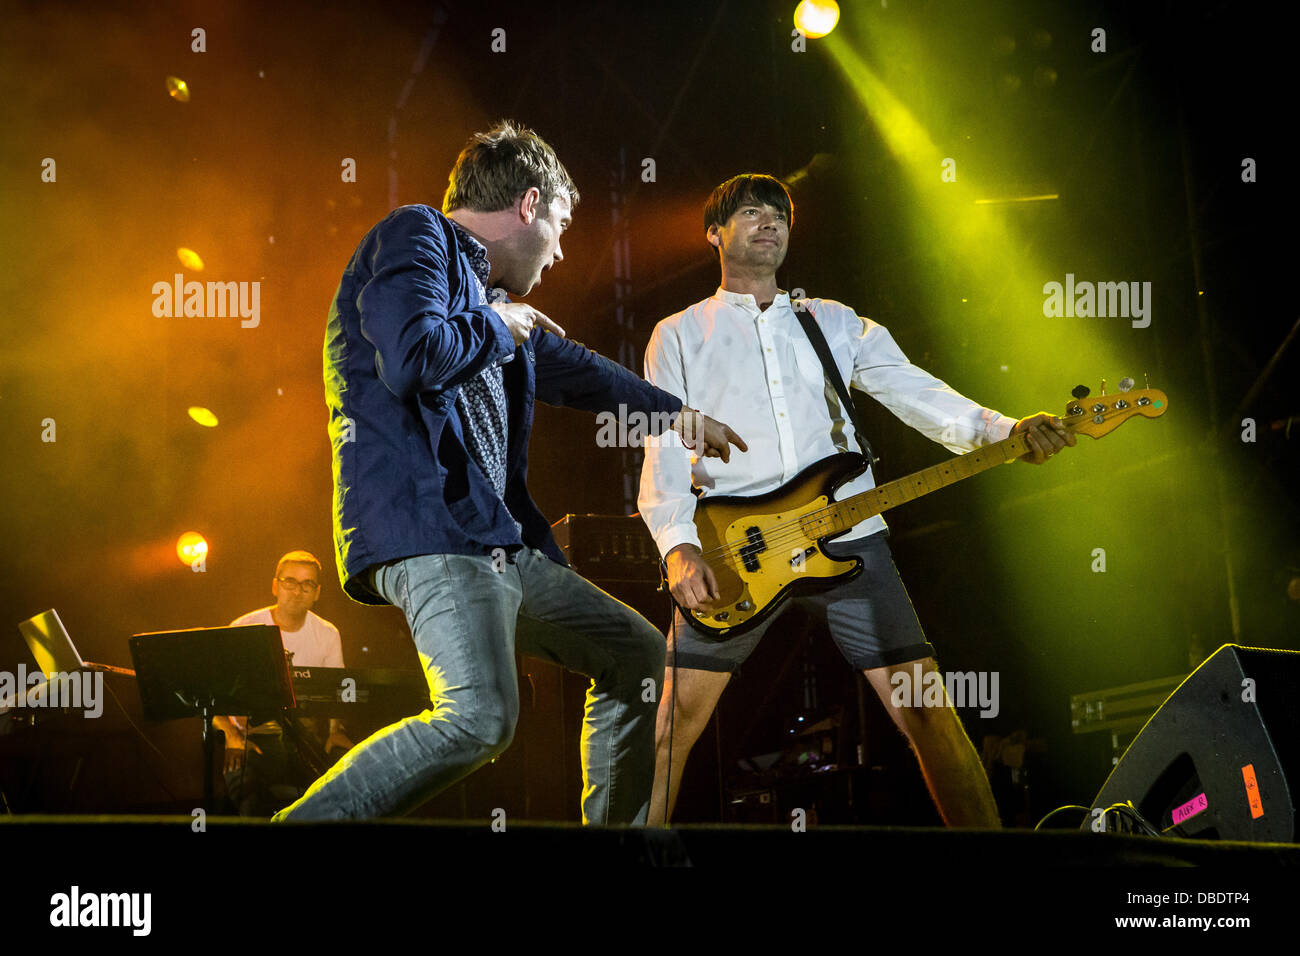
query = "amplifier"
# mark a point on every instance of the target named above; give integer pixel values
(1120, 711)
(608, 548)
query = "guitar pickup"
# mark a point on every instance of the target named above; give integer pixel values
(749, 553)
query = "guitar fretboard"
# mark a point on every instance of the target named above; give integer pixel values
(842, 515)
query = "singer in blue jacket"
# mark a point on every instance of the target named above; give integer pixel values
(430, 376)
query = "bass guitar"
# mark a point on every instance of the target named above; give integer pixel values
(765, 549)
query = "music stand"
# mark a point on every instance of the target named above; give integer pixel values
(210, 671)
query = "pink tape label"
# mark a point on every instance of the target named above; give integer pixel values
(1191, 808)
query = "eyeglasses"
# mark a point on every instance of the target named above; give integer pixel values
(292, 584)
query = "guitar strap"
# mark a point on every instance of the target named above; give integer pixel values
(814, 333)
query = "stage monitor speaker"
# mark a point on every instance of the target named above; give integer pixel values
(1219, 758)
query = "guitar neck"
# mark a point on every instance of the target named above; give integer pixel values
(842, 515)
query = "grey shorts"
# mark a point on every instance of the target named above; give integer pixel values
(870, 618)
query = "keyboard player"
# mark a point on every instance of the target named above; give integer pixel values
(262, 773)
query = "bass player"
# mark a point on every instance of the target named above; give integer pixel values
(742, 354)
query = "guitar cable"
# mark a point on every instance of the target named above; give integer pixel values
(672, 708)
(672, 701)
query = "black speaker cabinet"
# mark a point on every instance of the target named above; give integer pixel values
(1218, 760)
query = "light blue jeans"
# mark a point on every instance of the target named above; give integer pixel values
(468, 616)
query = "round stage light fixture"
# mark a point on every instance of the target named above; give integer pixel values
(191, 547)
(816, 18)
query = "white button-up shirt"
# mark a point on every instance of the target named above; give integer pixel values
(757, 372)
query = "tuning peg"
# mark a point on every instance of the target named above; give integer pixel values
(1080, 392)
(1125, 384)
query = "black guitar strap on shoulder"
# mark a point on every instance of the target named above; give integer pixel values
(814, 333)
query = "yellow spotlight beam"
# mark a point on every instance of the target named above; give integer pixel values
(961, 225)
(1002, 202)
(953, 211)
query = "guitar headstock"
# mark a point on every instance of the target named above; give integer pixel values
(1102, 414)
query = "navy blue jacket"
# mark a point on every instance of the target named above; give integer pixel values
(406, 329)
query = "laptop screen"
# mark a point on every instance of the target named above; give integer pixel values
(50, 644)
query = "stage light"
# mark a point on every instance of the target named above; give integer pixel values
(1010, 199)
(191, 547)
(178, 89)
(993, 226)
(190, 259)
(203, 416)
(819, 164)
(816, 18)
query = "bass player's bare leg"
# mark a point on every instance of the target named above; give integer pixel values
(694, 693)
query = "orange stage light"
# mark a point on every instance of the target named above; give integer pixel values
(191, 547)
(178, 89)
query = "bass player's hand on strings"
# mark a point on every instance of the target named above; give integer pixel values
(690, 580)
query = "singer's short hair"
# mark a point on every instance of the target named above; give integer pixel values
(499, 166)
